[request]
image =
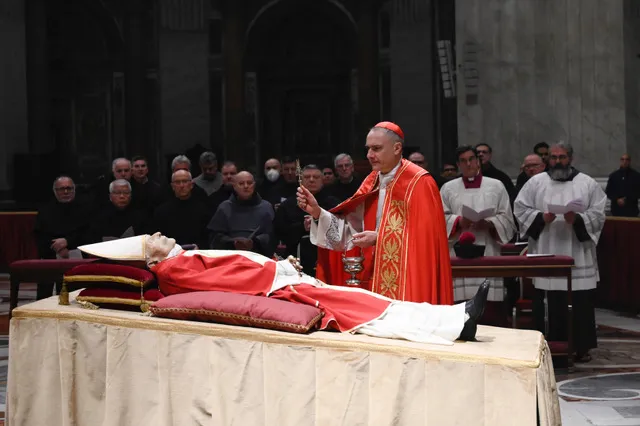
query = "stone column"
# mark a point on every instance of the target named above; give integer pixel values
(39, 99)
(368, 75)
(233, 42)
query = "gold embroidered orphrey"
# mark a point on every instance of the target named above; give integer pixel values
(390, 258)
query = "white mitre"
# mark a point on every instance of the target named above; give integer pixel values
(132, 248)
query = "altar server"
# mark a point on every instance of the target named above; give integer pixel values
(477, 193)
(572, 233)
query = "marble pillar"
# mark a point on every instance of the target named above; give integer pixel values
(13, 89)
(534, 70)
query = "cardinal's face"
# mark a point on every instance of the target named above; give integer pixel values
(158, 246)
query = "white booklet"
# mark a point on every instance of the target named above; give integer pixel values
(476, 216)
(576, 206)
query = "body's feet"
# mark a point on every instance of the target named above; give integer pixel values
(474, 308)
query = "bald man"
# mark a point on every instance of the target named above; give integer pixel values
(395, 221)
(244, 221)
(623, 189)
(531, 166)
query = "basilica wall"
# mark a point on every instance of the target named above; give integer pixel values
(183, 54)
(412, 89)
(13, 88)
(534, 70)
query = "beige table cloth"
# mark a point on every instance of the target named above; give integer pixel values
(73, 366)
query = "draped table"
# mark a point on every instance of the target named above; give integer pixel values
(17, 241)
(73, 366)
(619, 264)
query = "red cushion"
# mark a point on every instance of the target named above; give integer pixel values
(119, 299)
(60, 265)
(239, 309)
(513, 261)
(108, 274)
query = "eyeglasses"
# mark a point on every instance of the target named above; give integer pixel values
(65, 189)
(344, 166)
(121, 192)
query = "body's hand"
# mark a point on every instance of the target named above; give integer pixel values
(549, 217)
(64, 253)
(621, 201)
(570, 217)
(242, 243)
(307, 202)
(58, 244)
(307, 223)
(365, 239)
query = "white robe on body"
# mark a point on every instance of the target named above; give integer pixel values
(559, 237)
(491, 193)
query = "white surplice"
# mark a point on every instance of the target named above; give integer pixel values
(491, 194)
(559, 237)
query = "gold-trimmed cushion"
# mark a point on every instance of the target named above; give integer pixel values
(108, 274)
(239, 309)
(111, 298)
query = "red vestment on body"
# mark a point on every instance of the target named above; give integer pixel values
(257, 275)
(410, 260)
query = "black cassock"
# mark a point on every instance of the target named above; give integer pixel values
(289, 224)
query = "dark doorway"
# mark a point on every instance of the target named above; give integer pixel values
(302, 53)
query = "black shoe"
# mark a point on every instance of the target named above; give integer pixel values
(468, 332)
(475, 307)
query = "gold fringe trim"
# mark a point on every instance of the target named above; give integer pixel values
(111, 300)
(268, 336)
(102, 278)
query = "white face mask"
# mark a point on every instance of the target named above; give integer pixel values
(272, 175)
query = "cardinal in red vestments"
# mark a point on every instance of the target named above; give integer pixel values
(395, 220)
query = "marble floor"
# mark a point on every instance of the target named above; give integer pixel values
(603, 392)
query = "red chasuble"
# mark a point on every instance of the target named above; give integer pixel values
(235, 273)
(410, 260)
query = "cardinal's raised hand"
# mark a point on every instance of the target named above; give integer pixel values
(307, 202)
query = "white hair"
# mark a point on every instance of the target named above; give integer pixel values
(174, 173)
(119, 182)
(114, 162)
(180, 159)
(341, 157)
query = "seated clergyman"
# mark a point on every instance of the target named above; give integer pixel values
(346, 309)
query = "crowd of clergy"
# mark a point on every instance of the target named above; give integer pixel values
(220, 206)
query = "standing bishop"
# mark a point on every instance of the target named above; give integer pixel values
(573, 233)
(394, 220)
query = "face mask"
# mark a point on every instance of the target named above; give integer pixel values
(272, 175)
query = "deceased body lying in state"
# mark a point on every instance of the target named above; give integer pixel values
(344, 309)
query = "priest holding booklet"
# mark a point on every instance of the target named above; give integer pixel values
(480, 205)
(561, 212)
